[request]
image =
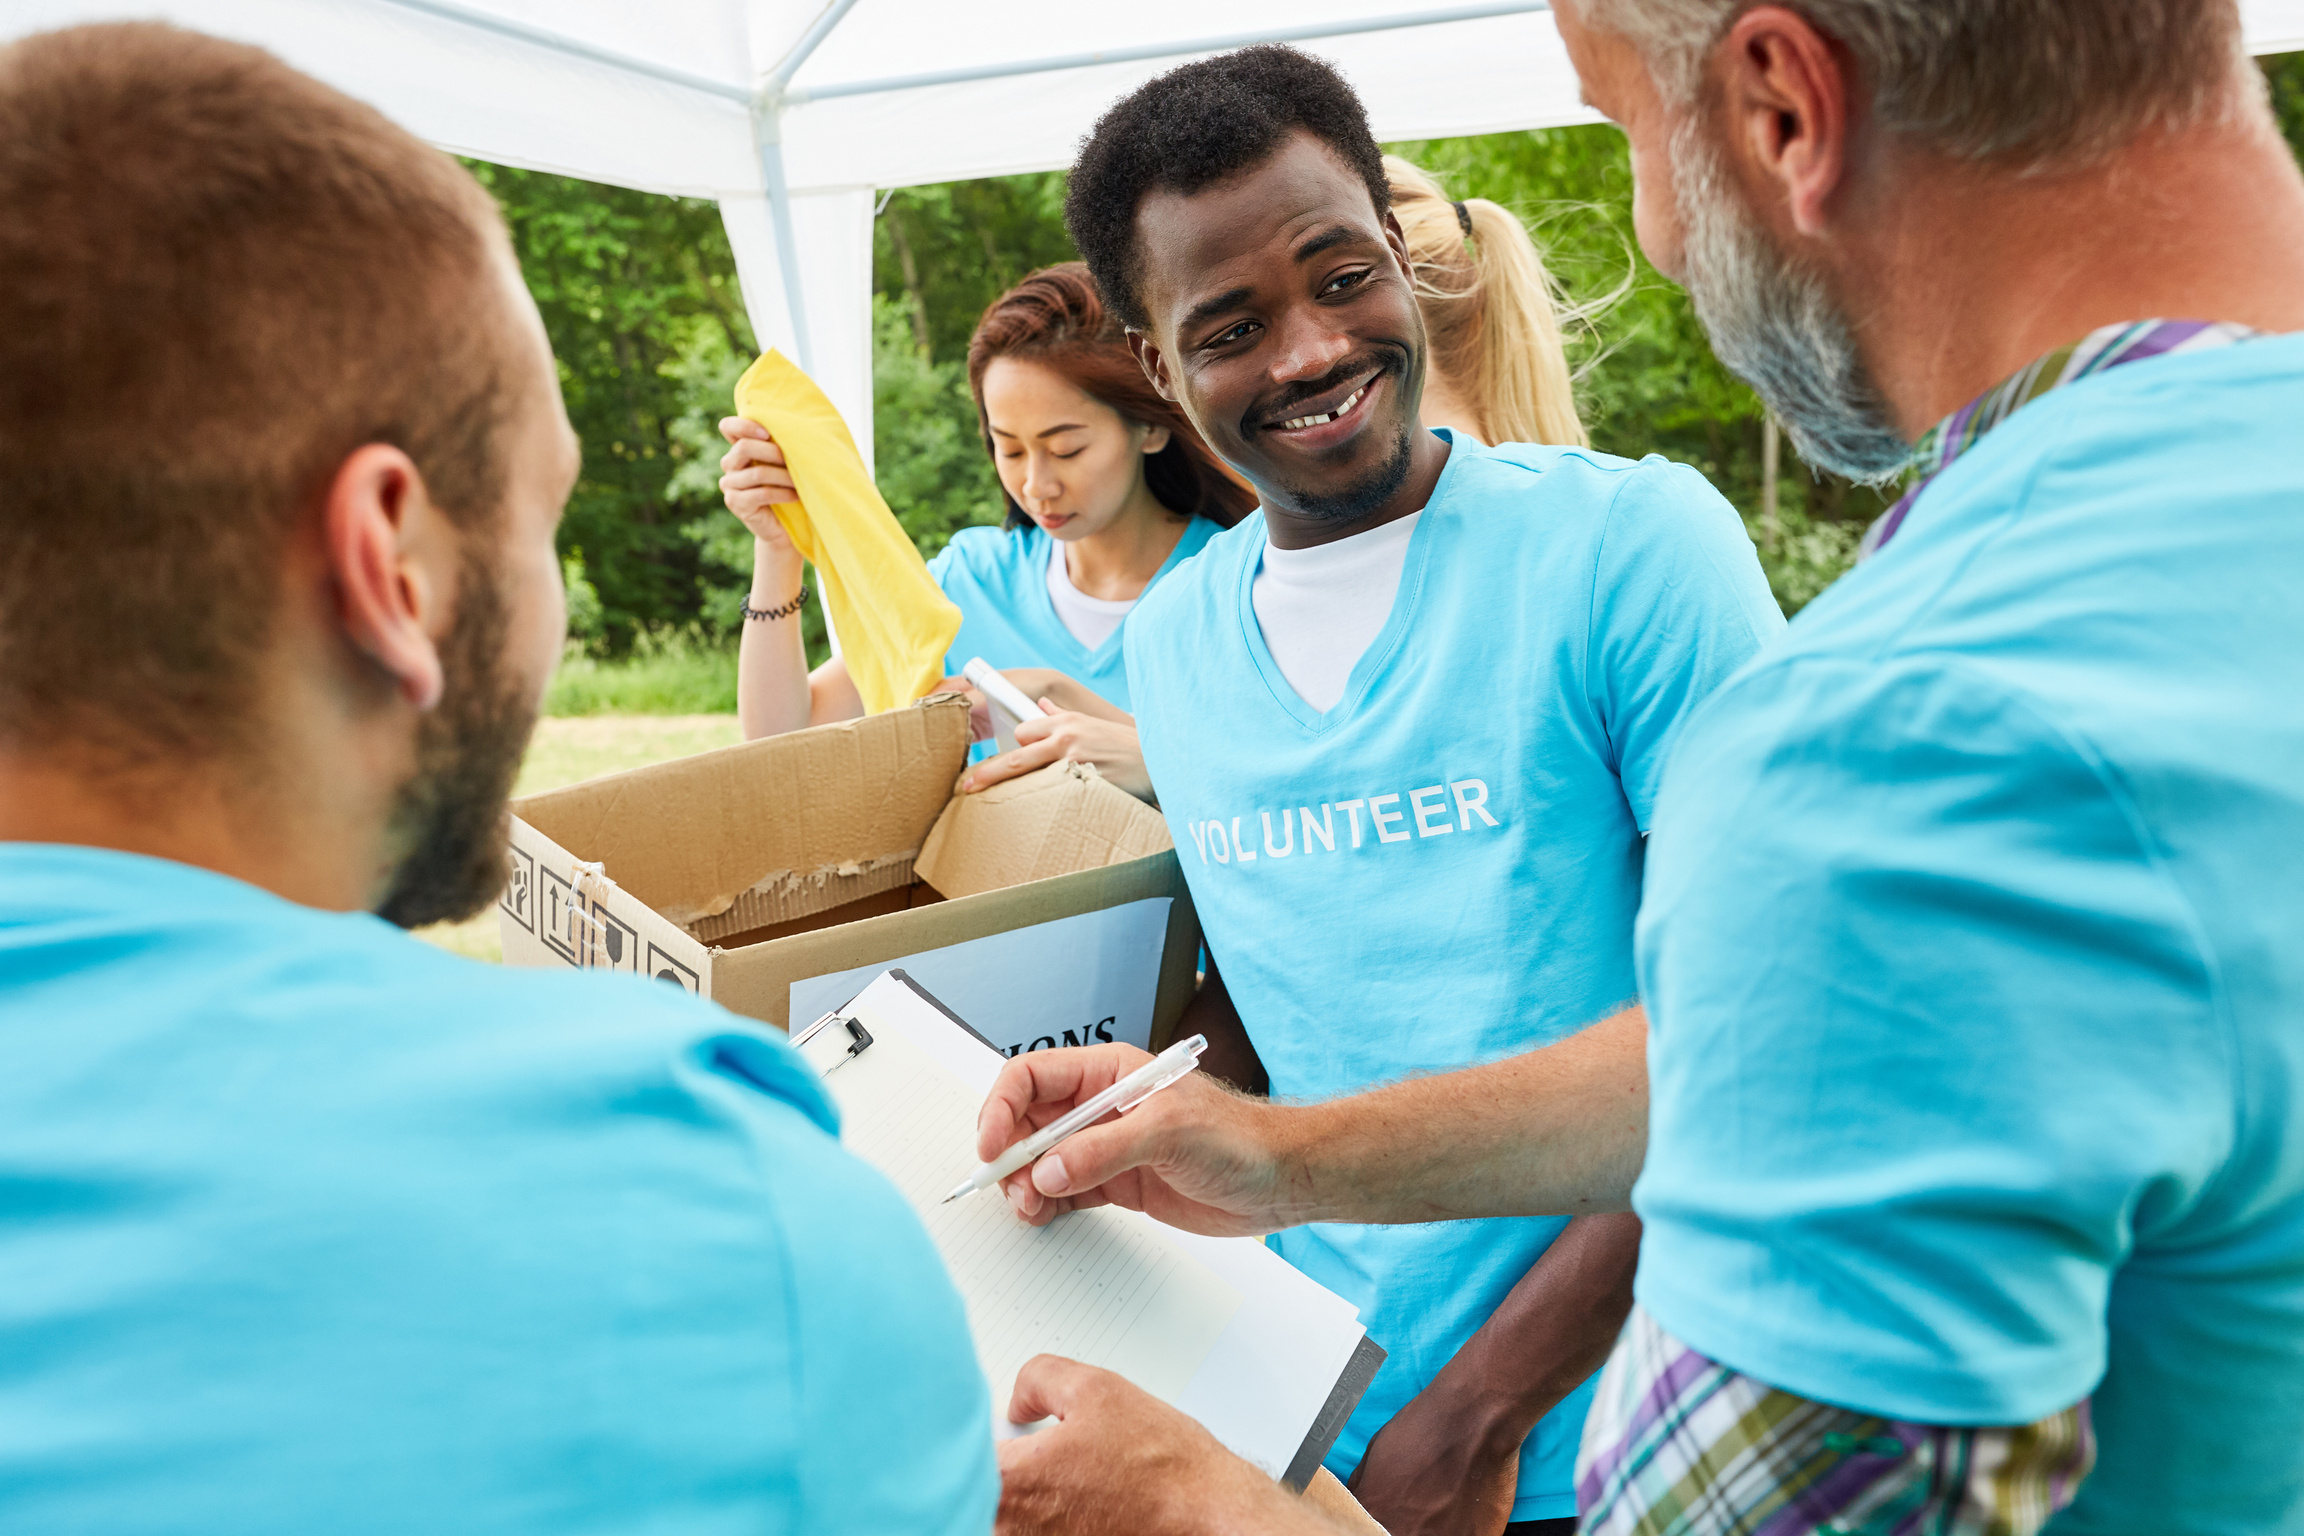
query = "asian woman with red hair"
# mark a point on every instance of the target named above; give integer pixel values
(1108, 488)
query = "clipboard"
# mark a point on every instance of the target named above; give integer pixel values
(1283, 1370)
(828, 1053)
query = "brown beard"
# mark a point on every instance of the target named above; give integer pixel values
(451, 816)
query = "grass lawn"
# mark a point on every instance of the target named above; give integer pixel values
(568, 750)
(664, 679)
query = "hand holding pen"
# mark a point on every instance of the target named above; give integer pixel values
(1199, 1156)
(1123, 1096)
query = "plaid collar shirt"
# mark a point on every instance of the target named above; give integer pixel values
(2106, 347)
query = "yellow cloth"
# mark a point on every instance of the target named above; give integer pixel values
(895, 624)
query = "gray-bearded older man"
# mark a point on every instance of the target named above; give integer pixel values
(1969, 939)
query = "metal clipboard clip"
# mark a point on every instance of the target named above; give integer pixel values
(859, 1040)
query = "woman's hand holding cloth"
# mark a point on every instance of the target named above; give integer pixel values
(894, 623)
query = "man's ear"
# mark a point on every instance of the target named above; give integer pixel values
(1397, 238)
(1784, 104)
(392, 558)
(1153, 361)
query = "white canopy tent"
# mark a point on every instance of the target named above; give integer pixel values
(794, 114)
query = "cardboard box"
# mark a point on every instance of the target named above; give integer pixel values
(778, 876)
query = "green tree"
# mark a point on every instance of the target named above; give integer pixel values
(639, 296)
(943, 253)
(2284, 78)
(930, 459)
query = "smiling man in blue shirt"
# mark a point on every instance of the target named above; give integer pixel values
(1406, 723)
(307, 1226)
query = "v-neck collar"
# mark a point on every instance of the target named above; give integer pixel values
(1378, 656)
(1193, 538)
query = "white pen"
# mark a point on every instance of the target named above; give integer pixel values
(1123, 1096)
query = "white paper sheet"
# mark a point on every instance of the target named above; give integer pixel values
(1096, 1288)
(1266, 1375)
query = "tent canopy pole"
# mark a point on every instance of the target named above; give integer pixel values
(560, 42)
(767, 127)
(768, 136)
(780, 78)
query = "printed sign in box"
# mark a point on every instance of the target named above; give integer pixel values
(556, 909)
(615, 946)
(1103, 992)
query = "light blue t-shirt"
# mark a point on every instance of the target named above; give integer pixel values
(307, 1226)
(1974, 955)
(999, 577)
(1443, 869)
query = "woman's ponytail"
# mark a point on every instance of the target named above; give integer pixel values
(1488, 310)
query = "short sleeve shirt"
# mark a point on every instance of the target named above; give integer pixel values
(1443, 868)
(309, 1226)
(999, 578)
(1973, 946)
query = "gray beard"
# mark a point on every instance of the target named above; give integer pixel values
(1774, 325)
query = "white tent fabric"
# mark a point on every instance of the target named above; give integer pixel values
(792, 114)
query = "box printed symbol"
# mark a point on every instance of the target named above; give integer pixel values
(519, 899)
(556, 909)
(664, 968)
(613, 945)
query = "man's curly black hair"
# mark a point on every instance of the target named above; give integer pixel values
(1195, 126)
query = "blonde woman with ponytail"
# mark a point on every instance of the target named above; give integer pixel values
(1497, 368)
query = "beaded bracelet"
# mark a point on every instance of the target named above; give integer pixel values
(780, 611)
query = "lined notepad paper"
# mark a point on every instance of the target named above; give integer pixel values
(1097, 1286)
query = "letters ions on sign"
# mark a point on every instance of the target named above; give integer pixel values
(1436, 810)
(1098, 1033)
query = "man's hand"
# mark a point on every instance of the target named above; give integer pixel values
(1119, 1460)
(1556, 1132)
(1195, 1155)
(1441, 1467)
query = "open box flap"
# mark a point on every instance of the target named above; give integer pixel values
(1062, 819)
(771, 829)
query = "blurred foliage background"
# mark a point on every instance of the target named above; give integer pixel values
(640, 297)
